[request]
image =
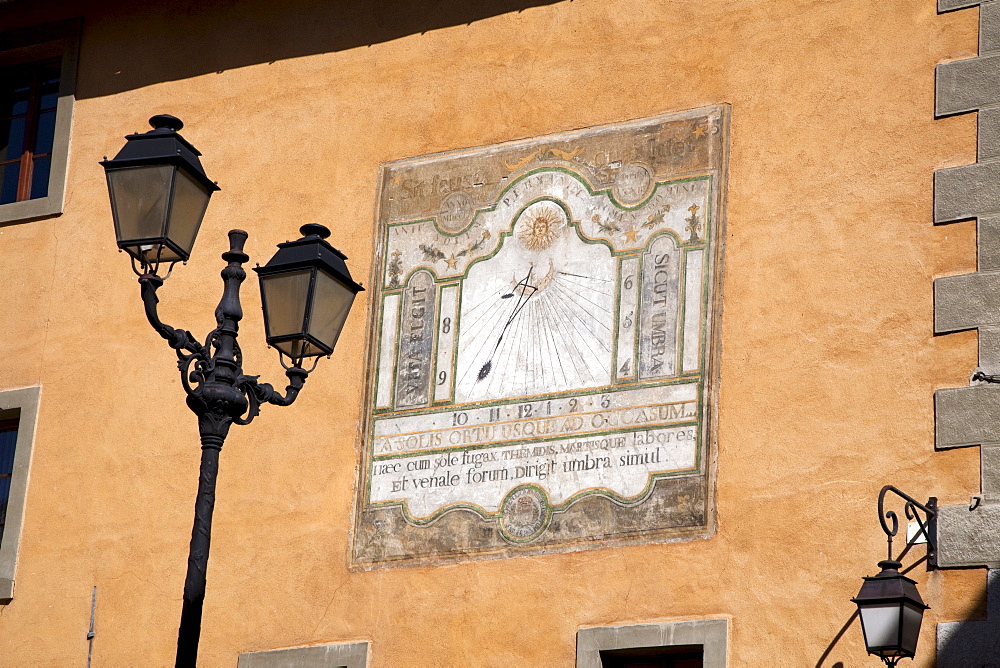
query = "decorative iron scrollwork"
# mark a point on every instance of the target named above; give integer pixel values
(924, 515)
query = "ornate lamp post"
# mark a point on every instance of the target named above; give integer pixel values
(889, 604)
(159, 194)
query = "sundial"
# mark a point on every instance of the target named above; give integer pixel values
(542, 357)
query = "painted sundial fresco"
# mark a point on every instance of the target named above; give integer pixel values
(542, 357)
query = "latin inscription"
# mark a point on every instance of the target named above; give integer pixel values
(658, 347)
(416, 341)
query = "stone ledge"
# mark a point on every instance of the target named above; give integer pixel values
(988, 241)
(989, 472)
(989, 350)
(989, 28)
(988, 132)
(968, 538)
(965, 85)
(966, 301)
(968, 191)
(951, 5)
(965, 416)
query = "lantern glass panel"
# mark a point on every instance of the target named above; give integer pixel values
(912, 616)
(139, 197)
(285, 297)
(190, 200)
(880, 624)
(331, 303)
(298, 348)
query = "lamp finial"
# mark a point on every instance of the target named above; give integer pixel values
(166, 122)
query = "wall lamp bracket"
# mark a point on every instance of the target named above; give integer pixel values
(924, 514)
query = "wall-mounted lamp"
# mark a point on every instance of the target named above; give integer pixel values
(889, 604)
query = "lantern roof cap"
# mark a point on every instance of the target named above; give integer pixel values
(161, 145)
(889, 585)
(312, 250)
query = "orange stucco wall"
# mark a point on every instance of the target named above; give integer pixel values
(828, 360)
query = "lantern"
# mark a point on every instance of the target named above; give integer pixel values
(159, 194)
(307, 293)
(891, 611)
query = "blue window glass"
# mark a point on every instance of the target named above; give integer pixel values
(8, 182)
(49, 92)
(5, 140)
(19, 99)
(46, 132)
(15, 137)
(8, 439)
(40, 180)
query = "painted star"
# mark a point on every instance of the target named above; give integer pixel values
(631, 234)
(699, 131)
(452, 261)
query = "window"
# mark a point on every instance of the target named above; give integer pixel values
(37, 83)
(684, 656)
(18, 410)
(27, 129)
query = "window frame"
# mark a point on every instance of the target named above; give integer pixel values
(45, 42)
(711, 634)
(25, 401)
(335, 655)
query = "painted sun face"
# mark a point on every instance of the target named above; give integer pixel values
(540, 228)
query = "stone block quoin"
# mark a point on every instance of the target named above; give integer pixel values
(969, 416)
(969, 536)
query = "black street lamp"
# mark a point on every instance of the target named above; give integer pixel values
(889, 604)
(159, 193)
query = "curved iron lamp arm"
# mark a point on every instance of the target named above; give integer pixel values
(913, 510)
(220, 394)
(264, 393)
(176, 338)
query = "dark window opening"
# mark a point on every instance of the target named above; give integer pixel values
(8, 438)
(28, 97)
(680, 656)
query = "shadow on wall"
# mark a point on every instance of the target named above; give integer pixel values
(833, 643)
(973, 643)
(128, 45)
